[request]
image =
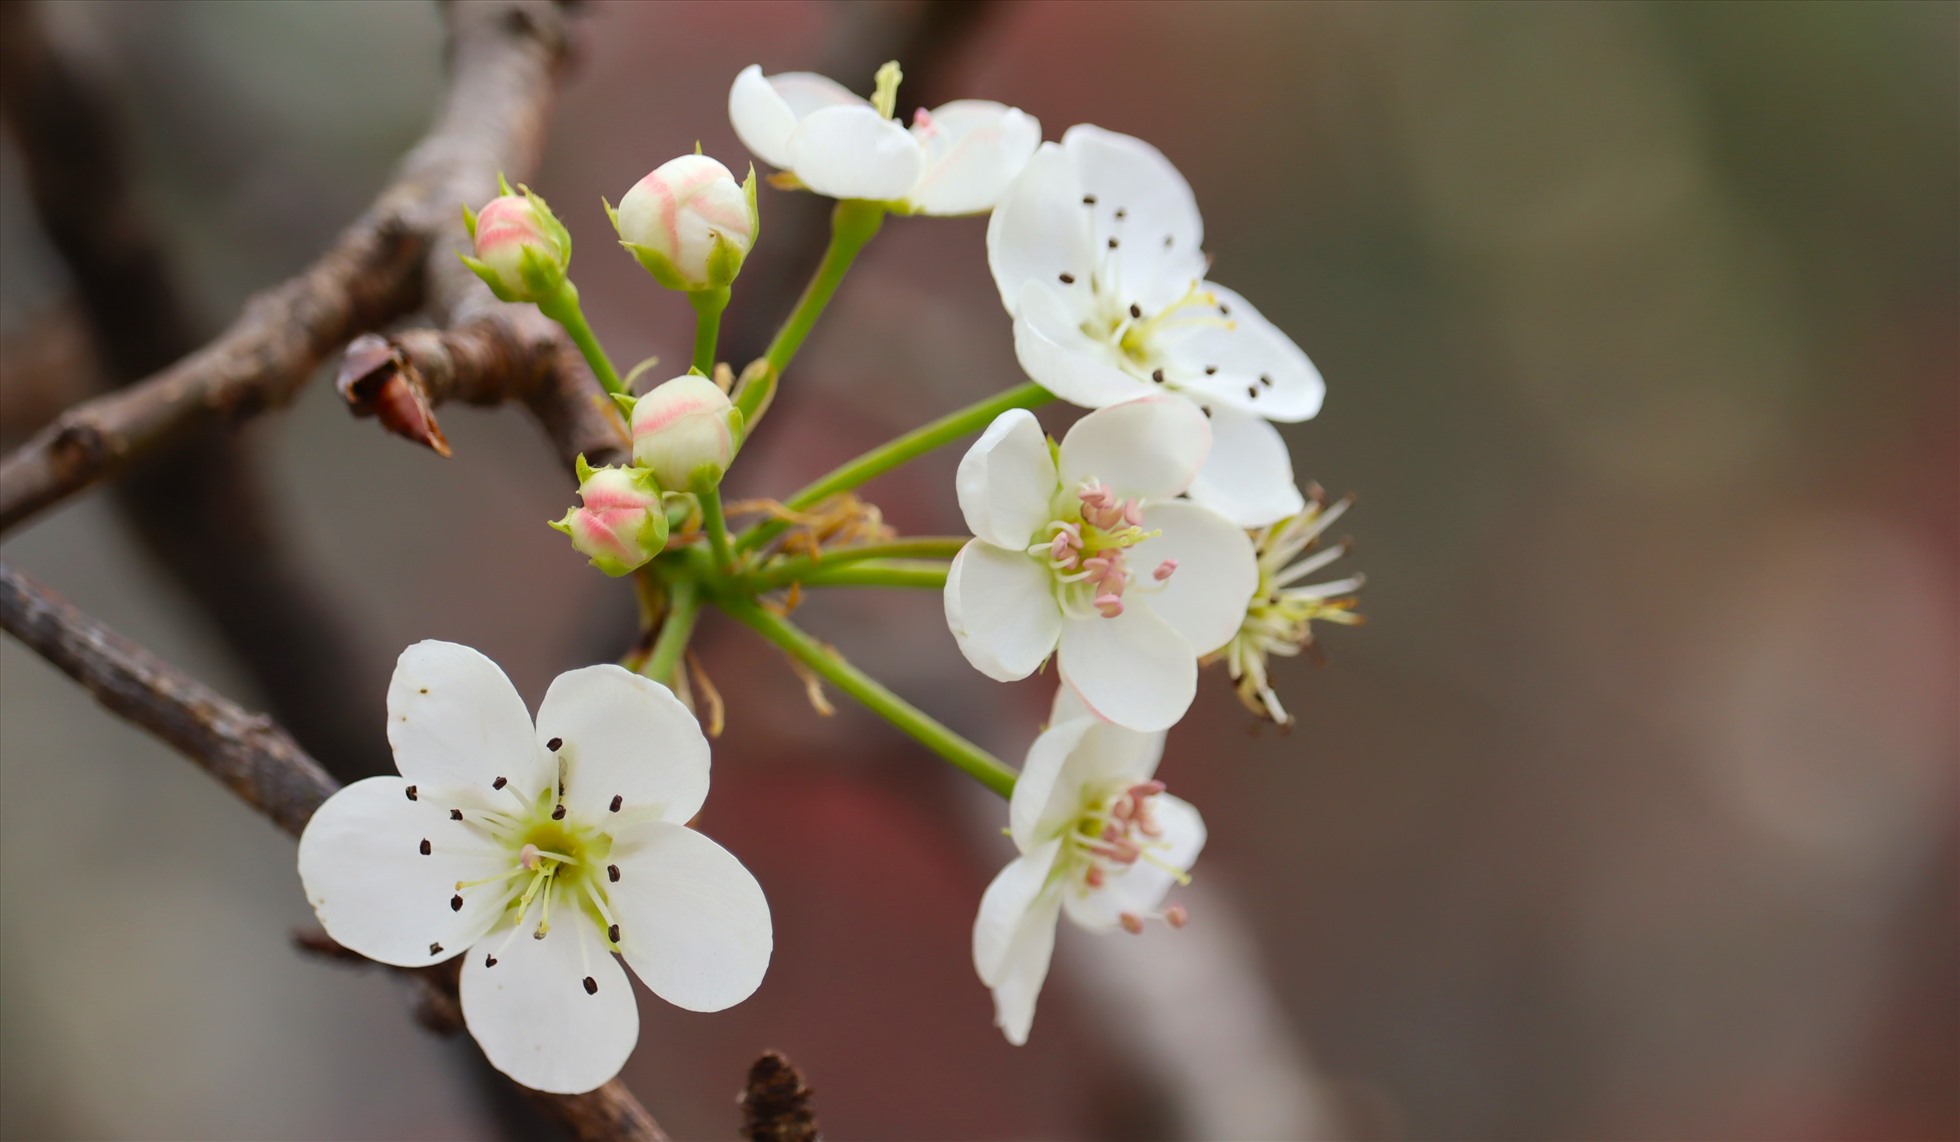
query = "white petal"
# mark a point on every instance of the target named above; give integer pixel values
(693, 922)
(1134, 670)
(1141, 888)
(361, 864)
(532, 1014)
(455, 720)
(765, 110)
(1069, 761)
(1014, 939)
(1002, 611)
(1248, 478)
(1140, 200)
(854, 152)
(1217, 571)
(1007, 481)
(1067, 705)
(1150, 447)
(624, 736)
(1053, 350)
(1259, 368)
(973, 150)
(1039, 231)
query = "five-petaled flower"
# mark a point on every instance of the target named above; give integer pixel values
(1097, 253)
(956, 159)
(1082, 548)
(1099, 839)
(538, 854)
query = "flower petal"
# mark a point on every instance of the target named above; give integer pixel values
(693, 922)
(854, 152)
(1140, 889)
(973, 150)
(1217, 571)
(1258, 368)
(1053, 350)
(624, 737)
(1134, 670)
(1248, 478)
(1001, 610)
(361, 863)
(533, 1014)
(765, 110)
(1014, 938)
(1150, 447)
(1007, 481)
(1145, 206)
(455, 720)
(1039, 232)
(1084, 754)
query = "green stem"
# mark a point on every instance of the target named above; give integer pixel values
(785, 571)
(981, 765)
(716, 526)
(708, 304)
(926, 574)
(683, 604)
(563, 308)
(852, 224)
(892, 453)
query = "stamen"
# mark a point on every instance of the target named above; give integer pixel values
(425, 846)
(411, 792)
(435, 949)
(558, 812)
(529, 857)
(612, 873)
(1132, 923)
(1176, 916)
(617, 801)
(456, 903)
(1164, 570)
(455, 814)
(1110, 605)
(1068, 279)
(591, 986)
(489, 959)
(500, 783)
(554, 744)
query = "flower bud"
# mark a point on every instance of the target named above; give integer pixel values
(622, 523)
(689, 223)
(522, 250)
(685, 431)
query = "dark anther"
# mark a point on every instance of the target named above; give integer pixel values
(1068, 279)
(1088, 200)
(455, 814)
(1266, 380)
(1168, 240)
(425, 689)
(1136, 311)
(456, 903)
(489, 960)
(1252, 392)
(1121, 214)
(612, 933)
(591, 986)
(612, 873)
(1157, 375)
(1113, 243)
(500, 783)
(558, 814)
(617, 801)
(1224, 310)
(435, 949)
(554, 743)
(411, 792)
(426, 849)
(1207, 413)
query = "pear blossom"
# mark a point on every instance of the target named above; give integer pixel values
(1280, 618)
(685, 430)
(521, 249)
(689, 223)
(957, 158)
(621, 523)
(1081, 552)
(537, 853)
(1096, 251)
(1099, 841)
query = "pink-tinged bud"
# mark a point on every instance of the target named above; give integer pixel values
(622, 523)
(685, 432)
(689, 223)
(521, 249)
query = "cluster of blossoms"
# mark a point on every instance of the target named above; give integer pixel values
(1164, 531)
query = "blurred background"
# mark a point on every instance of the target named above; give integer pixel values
(1631, 813)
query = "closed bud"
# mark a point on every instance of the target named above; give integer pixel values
(689, 223)
(685, 431)
(622, 523)
(522, 250)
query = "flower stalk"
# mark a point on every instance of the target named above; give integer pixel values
(683, 606)
(562, 306)
(708, 305)
(852, 225)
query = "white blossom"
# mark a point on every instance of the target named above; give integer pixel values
(1099, 840)
(1081, 552)
(955, 159)
(1097, 252)
(538, 853)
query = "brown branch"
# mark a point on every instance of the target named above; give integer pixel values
(502, 55)
(253, 757)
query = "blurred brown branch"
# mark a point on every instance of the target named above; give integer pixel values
(776, 1102)
(251, 755)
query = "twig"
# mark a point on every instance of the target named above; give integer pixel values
(251, 755)
(502, 54)
(776, 1102)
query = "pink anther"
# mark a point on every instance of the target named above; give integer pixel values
(1132, 923)
(923, 120)
(1164, 570)
(1133, 513)
(1176, 916)
(1110, 605)
(1094, 877)
(529, 857)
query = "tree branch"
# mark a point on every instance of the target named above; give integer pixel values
(503, 55)
(253, 757)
